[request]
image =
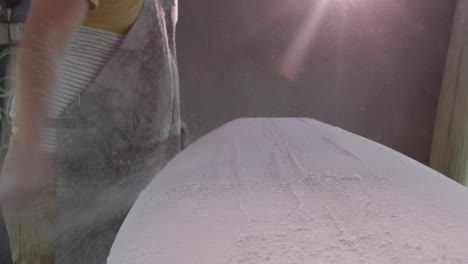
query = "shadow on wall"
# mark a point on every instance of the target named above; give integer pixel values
(370, 67)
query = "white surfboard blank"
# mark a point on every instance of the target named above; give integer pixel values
(294, 191)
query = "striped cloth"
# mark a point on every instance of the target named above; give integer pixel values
(88, 53)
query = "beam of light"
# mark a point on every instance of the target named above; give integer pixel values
(295, 55)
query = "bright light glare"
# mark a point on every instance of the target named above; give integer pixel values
(295, 55)
(297, 51)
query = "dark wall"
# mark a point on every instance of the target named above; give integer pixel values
(371, 67)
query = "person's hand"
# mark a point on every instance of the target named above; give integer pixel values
(24, 181)
(184, 141)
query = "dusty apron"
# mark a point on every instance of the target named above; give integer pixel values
(116, 137)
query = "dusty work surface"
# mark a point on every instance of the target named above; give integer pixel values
(294, 191)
